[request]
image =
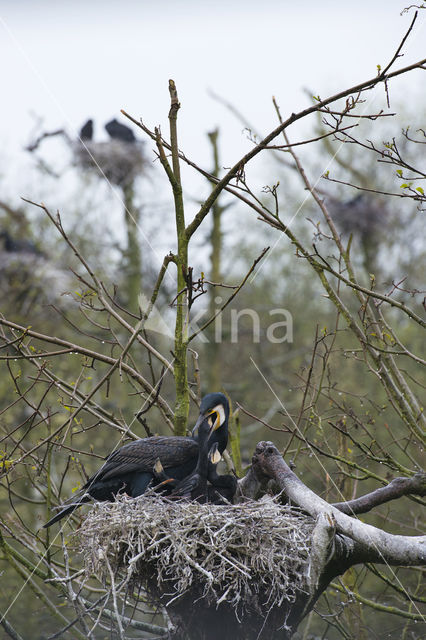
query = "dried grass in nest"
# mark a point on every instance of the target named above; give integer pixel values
(252, 554)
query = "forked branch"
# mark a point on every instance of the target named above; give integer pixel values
(373, 545)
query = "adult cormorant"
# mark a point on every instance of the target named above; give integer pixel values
(130, 468)
(118, 131)
(86, 131)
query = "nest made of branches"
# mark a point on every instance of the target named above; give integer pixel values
(121, 162)
(249, 555)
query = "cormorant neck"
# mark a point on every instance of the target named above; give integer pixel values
(203, 462)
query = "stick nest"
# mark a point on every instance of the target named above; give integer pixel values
(251, 555)
(120, 162)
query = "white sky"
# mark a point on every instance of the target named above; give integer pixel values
(70, 60)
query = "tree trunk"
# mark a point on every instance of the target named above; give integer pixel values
(133, 253)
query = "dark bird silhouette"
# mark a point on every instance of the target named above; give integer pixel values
(221, 489)
(17, 245)
(86, 131)
(194, 486)
(118, 131)
(221, 486)
(162, 482)
(130, 468)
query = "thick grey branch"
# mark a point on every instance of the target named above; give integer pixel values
(395, 489)
(322, 549)
(373, 544)
(10, 630)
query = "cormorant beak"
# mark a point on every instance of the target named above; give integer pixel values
(197, 425)
(214, 454)
(214, 420)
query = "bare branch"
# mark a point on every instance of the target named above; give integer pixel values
(416, 485)
(378, 546)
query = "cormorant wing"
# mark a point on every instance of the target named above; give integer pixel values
(141, 455)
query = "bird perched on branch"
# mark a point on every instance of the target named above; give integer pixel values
(118, 131)
(86, 131)
(130, 468)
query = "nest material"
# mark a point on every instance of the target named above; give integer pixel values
(251, 555)
(121, 162)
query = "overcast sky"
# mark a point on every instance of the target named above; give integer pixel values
(70, 60)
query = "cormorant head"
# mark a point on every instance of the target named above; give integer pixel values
(215, 405)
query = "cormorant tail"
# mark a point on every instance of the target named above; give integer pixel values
(69, 509)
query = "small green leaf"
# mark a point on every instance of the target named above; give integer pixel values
(399, 172)
(404, 186)
(420, 190)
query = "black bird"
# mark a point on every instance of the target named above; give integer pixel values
(118, 131)
(194, 486)
(221, 489)
(221, 486)
(17, 245)
(162, 483)
(130, 468)
(86, 131)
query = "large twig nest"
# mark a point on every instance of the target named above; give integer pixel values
(121, 162)
(250, 555)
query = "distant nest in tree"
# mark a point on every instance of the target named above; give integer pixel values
(250, 557)
(121, 162)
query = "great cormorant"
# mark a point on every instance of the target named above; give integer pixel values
(86, 131)
(161, 481)
(219, 489)
(118, 131)
(130, 468)
(221, 486)
(194, 486)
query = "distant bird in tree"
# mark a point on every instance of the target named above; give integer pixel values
(130, 468)
(13, 245)
(86, 131)
(118, 131)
